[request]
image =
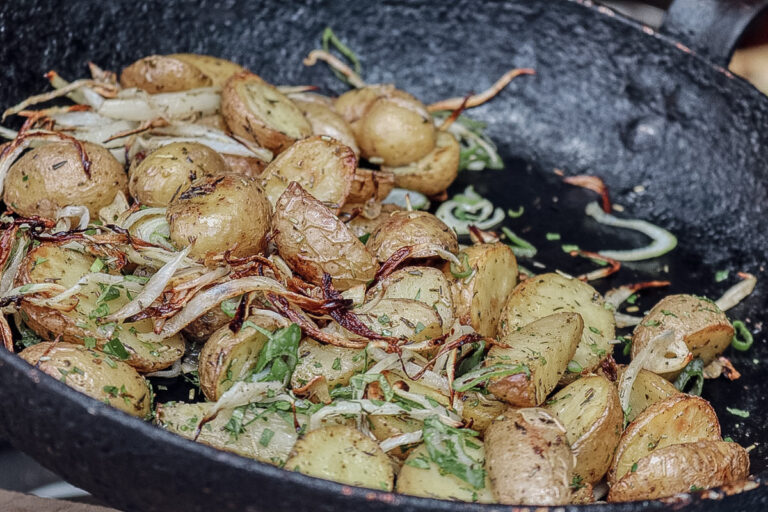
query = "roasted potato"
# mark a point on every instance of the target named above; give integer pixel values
(216, 69)
(528, 459)
(52, 176)
(480, 296)
(550, 293)
(259, 434)
(590, 410)
(353, 104)
(696, 320)
(335, 364)
(227, 357)
(257, 111)
(682, 468)
(51, 263)
(424, 284)
(648, 389)
(342, 454)
(314, 242)
(170, 170)
(544, 347)
(85, 370)
(322, 166)
(202, 328)
(479, 410)
(434, 172)
(324, 120)
(221, 213)
(370, 185)
(161, 73)
(245, 165)
(420, 476)
(678, 419)
(402, 318)
(360, 225)
(383, 427)
(421, 231)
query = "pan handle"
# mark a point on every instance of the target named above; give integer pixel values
(711, 27)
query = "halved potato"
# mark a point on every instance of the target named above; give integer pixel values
(202, 328)
(362, 225)
(87, 371)
(324, 119)
(259, 434)
(648, 389)
(695, 320)
(335, 364)
(420, 476)
(421, 231)
(322, 166)
(480, 297)
(402, 318)
(551, 293)
(678, 419)
(528, 459)
(383, 427)
(228, 357)
(245, 165)
(342, 454)
(682, 468)
(51, 263)
(314, 242)
(353, 104)
(434, 172)
(591, 412)
(368, 184)
(479, 410)
(163, 73)
(257, 111)
(424, 284)
(545, 347)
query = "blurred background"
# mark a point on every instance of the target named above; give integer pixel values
(20, 473)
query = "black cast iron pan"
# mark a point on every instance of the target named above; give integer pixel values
(610, 97)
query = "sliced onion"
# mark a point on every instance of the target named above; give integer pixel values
(401, 440)
(737, 292)
(243, 393)
(624, 320)
(87, 279)
(481, 211)
(403, 198)
(653, 352)
(79, 212)
(113, 211)
(137, 105)
(215, 139)
(172, 372)
(663, 240)
(82, 94)
(136, 216)
(9, 274)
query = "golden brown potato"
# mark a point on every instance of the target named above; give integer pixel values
(216, 69)
(402, 318)
(161, 73)
(353, 104)
(424, 284)
(257, 111)
(51, 263)
(421, 231)
(648, 389)
(368, 184)
(221, 213)
(321, 115)
(342, 454)
(383, 427)
(480, 297)
(202, 328)
(583, 495)
(52, 176)
(313, 241)
(434, 172)
(245, 165)
(682, 468)
(590, 410)
(85, 370)
(678, 419)
(335, 364)
(170, 170)
(696, 320)
(480, 410)
(528, 459)
(360, 225)
(545, 348)
(322, 166)
(228, 357)
(550, 293)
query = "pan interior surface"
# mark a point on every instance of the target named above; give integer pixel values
(679, 143)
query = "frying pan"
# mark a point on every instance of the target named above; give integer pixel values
(679, 141)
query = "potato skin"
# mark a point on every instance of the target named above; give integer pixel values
(161, 73)
(217, 214)
(424, 284)
(528, 459)
(51, 177)
(416, 229)
(480, 297)
(648, 389)
(678, 419)
(361, 225)
(434, 172)
(217, 70)
(202, 328)
(680, 468)
(84, 370)
(324, 119)
(590, 410)
(368, 184)
(353, 104)
(480, 410)
(257, 111)
(313, 241)
(699, 322)
(245, 165)
(170, 170)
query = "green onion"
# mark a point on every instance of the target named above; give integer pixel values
(465, 271)
(521, 247)
(115, 347)
(553, 236)
(569, 247)
(482, 375)
(721, 275)
(574, 367)
(364, 238)
(97, 265)
(514, 214)
(693, 370)
(741, 413)
(742, 338)
(328, 39)
(266, 437)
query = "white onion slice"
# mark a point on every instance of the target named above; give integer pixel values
(624, 320)
(170, 373)
(9, 274)
(737, 292)
(243, 393)
(402, 198)
(137, 105)
(401, 440)
(482, 211)
(79, 212)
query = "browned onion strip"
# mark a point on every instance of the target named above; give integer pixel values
(6, 334)
(612, 268)
(594, 184)
(393, 262)
(478, 99)
(454, 116)
(143, 127)
(330, 59)
(63, 91)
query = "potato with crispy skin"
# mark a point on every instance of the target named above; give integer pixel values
(170, 170)
(480, 410)
(221, 213)
(421, 231)
(362, 225)
(86, 370)
(368, 184)
(434, 172)
(423, 284)
(528, 459)
(257, 111)
(161, 73)
(335, 364)
(216, 69)
(682, 468)
(648, 389)
(324, 119)
(52, 176)
(313, 241)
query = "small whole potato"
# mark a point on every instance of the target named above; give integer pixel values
(221, 213)
(52, 176)
(421, 231)
(257, 111)
(321, 115)
(216, 69)
(434, 172)
(177, 72)
(353, 104)
(170, 170)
